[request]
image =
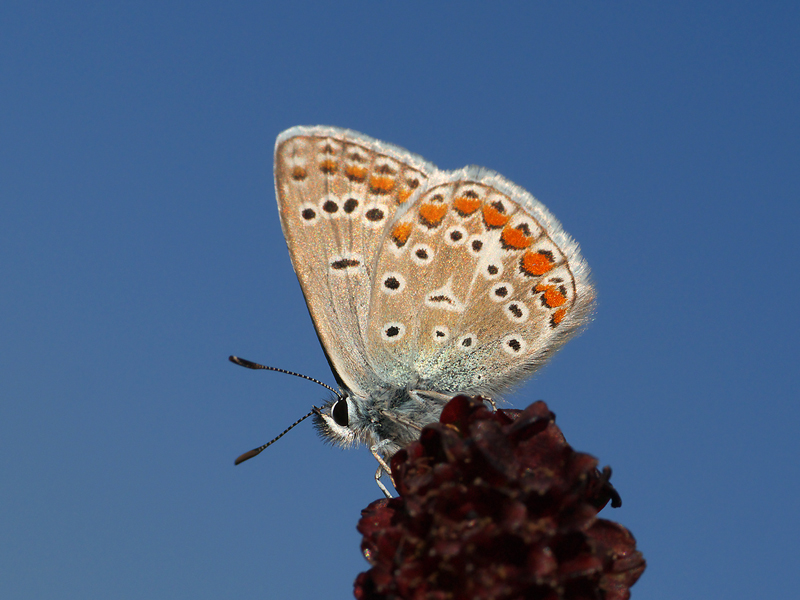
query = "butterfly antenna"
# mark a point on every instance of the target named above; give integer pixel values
(251, 365)
(257, 451)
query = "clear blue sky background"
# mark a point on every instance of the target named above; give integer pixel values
(140, 246)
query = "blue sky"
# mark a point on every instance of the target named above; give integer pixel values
(140, 246)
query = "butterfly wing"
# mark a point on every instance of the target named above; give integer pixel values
(476, 286)
(337, 191)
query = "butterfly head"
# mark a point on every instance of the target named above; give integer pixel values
(337, 421)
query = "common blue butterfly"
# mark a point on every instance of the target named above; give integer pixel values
(422, 284)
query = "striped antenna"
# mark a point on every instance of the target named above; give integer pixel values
(251, 365)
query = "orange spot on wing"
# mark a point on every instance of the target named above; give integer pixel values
(552, 297)
(381, 184)
(466, 206)
(355, 173)
(536, 263)
(299, 173)
(514, 238)
(401, 232)
(403, 195)
(328, 166)
(432, 214)
(558, 316)
(493, 217)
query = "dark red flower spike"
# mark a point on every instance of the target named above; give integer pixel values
(496, 505)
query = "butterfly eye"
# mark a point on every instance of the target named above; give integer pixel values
(339, 413)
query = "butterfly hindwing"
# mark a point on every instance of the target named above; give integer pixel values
(475, 286)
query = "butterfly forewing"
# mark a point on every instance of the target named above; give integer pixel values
(475, 286)
(337, 193)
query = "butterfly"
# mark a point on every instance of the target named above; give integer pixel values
(421, 283)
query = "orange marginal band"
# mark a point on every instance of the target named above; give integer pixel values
(552, 297)
(381, 184)
(466, 206)
(514, 238)
(432, 214)
(493, 217)
(401, 233)
(536, 263)
(356, 173)
(328, 166)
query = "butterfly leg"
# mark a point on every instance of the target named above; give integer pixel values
(378, 474)
(425, 396)
(383, 467)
